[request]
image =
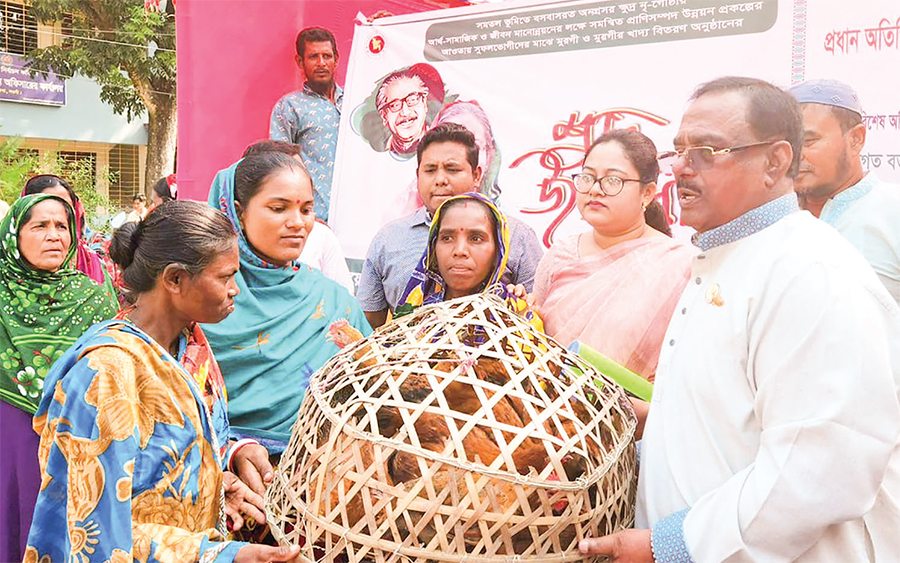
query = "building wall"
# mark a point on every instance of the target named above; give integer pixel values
(84, 124)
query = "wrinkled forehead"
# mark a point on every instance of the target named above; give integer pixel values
(716, 119)
(50, 208)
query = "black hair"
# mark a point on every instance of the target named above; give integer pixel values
(450, 133)
(315, 35)
(638, 148)
(655, 216)
(848, 119)
(290, 149)
(772, 113)
(162, 189)
(253, 170)
(139, 197)
(187, 233)
(37, 184)
(640, 152)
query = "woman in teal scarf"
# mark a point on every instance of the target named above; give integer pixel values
(45, 305)
(276, 337)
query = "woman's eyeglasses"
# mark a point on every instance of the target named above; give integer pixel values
(609, 185)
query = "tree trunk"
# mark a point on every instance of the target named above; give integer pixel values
(162, 132)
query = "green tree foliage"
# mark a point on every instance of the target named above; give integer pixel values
(111, 42)
(16, 166)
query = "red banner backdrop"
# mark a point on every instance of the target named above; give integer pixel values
(236, 58)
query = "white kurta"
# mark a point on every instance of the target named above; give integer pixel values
(775, 416)
(868, 215)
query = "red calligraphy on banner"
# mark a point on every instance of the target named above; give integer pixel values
(556, 190)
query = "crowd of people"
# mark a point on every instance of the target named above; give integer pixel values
(149, 427)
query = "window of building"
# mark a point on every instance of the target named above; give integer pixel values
(125, 165)
(80, 164)
(18, 29)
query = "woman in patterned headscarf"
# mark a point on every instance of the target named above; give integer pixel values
(86, 260)
(466, 254)
(45, 305)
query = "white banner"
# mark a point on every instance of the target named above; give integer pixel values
(550, 77)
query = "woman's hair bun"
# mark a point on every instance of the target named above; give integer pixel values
(124, 244)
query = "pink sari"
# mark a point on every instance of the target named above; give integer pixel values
(618, 301)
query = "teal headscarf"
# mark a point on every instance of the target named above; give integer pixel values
(276, 337)
(41, 313)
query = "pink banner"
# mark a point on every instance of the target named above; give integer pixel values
(235, 60)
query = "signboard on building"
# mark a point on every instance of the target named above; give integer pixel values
(17, 84)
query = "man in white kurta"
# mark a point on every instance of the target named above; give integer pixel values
(773, 430)
(775, 418)
(833, 184)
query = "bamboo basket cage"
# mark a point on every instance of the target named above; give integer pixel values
(458, 433)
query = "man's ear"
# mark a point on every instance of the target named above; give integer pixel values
(778, 162)
(173, 278)
(476, 175)
(299, 60)
(856, 139)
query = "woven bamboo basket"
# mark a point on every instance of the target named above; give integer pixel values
(456, 433)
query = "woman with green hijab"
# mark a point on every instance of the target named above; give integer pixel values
(45, 305)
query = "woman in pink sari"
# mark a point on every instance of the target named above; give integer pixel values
(615, 287)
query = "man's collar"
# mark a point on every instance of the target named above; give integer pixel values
(749, 223)
(858, 189)
(338, 91)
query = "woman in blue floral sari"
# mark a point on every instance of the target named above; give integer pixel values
(131, 447)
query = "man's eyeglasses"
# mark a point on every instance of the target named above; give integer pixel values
(409, 101)
(700, 158)
(609, 185)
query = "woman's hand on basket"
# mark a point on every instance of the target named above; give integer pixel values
(627, 546)
(519, 291)
(254, 553)
(241, 502)
(251, 464)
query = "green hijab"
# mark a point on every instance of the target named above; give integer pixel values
(41, 313)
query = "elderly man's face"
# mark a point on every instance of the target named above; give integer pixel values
(404, 111)
(714, 193)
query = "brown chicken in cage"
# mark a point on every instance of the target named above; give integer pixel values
(432, 430)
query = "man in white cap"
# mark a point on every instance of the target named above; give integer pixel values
(832, 184)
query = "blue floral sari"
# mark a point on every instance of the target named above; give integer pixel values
(130, 461)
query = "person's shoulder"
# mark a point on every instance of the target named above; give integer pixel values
(402, 226)
(888, 193)
(518, 227)
(800, 240)
(564, 247)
